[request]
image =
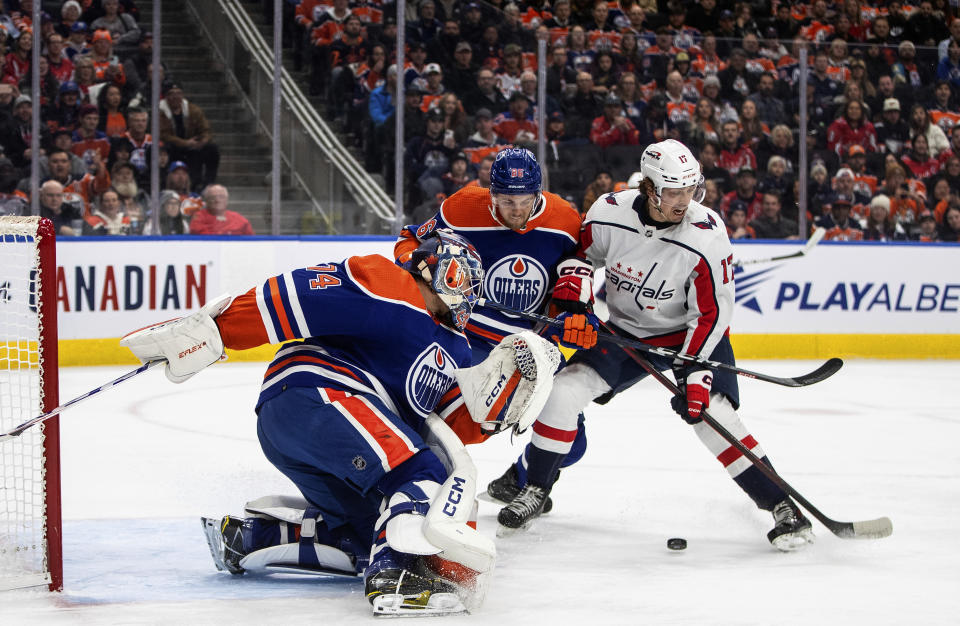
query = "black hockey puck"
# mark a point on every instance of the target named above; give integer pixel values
(677, 543)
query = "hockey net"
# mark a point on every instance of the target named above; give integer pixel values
(30, 545)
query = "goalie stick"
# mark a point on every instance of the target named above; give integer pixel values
(17, 431)
(828, 369)
(869, 529)
(813, 241)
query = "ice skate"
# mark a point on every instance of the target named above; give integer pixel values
(792, 530)
(401, 585)
(522, 510)
(226, 542)
(505, 489)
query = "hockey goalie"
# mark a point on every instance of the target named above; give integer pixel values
(366, 409)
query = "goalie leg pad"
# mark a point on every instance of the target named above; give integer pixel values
(511, 385)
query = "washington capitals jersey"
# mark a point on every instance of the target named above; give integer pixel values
(669, 286)
(519, 266)
(365, 329)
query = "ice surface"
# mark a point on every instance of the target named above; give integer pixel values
(143, 462)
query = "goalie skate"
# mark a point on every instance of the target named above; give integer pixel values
(225, 541)
(792, 530)
(399, 592)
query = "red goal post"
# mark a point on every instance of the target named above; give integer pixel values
(30, 518)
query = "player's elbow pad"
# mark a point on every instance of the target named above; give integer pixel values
(188, 344)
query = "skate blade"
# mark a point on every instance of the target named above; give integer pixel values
(211, 529)
(506, 531)
(791, 542)
(486, 497)
(425, 604)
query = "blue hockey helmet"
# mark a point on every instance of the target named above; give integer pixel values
(450, 264)
(515, 171)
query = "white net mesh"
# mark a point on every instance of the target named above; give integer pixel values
(23, 550)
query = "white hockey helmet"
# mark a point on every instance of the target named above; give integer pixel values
(634, 181)
(671, 165)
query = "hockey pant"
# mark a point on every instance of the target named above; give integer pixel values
(344, 452)
(603, 372)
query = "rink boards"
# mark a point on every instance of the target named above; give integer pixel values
(848, 300)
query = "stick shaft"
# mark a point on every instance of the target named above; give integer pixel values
(17, 431)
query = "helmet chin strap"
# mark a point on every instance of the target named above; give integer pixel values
(537, 206)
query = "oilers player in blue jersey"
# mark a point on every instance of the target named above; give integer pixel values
(526, 238)
(375, 349)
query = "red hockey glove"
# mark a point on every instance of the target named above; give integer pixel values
(694, 394)
(579, 330)
(573, 290)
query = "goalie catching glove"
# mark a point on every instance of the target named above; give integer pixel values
(510, 386)
(188, 344)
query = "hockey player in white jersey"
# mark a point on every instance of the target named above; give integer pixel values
(669, 282)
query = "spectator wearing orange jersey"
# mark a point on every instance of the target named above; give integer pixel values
(122, 27)
(838, 223)
(87, 139)
(107, 217)
(106, 65)
(516, 125)
(943, 110)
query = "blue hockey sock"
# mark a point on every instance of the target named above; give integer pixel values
(763, 491)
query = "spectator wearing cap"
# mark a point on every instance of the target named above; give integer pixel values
(613, 128)
(508, 74)
(837, 221)
(736, 81)
(771, 224)
(485, 94)
(60, 66)
(185, 131)
(88, 140)
(516, 124)
(172, 221)
(734, 152)
(907, 71)
(926, 231)
(17, 62)
(76, 44)
(736, 222)
(15, 133)
(746, 192)
(864, 182)
(776, 179)
(486, 135)
(70, 12)
(892, 131)
(426, 26)
(62, 139)
(433, 88)
(845, 183)
(215, 218)
(106, 64)
(472, 23)
(458, 175)
(415, 71)
(557, 134)
(178, 179)
(460, 74)
(427, 159)
(851, 128)
(122, 27)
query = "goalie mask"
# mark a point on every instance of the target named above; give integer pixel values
(670, 165)
(452, 267)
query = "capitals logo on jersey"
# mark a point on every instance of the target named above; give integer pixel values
(517, 281)
(429, 378)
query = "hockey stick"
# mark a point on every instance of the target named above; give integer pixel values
(813, 241)
(16, 432)
(869, 529)
(828, 369)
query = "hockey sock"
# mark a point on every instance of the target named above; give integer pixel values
(542, 466)
(763, 491)
(577, 450)
(423, 466)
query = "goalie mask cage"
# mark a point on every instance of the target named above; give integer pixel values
(30, 531)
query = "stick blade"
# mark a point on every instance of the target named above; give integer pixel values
(869, 529)
(825, 371)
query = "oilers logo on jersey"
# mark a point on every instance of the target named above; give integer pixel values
(517, 281)
(430, 376)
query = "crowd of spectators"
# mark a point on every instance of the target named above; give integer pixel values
(95, 152)
(721, 75)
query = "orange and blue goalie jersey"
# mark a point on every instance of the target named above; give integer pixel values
(365, 330)
(519, 266)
